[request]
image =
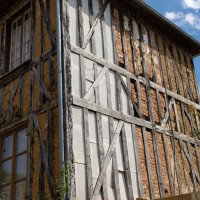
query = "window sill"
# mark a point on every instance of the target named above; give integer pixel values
(15, 72)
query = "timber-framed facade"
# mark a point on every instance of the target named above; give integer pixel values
(109, 90)
(28, 100)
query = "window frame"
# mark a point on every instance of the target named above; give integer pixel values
(9, 22)
(14, 131)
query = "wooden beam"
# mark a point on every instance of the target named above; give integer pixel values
(166, 117)
(129, 95)
(148, 163)
(130, 119)
(137, 162)
(127, 168)
(80, 22)
(111, 131)
(49, 175)
(87, 154)
(30, 161)
(125, 72)
(191, 163)
(96, 83)
(41, 84)
(107, 160)
(96, 21)
(48, 23)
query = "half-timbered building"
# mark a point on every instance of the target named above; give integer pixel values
(104, 89)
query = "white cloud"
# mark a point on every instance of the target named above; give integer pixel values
(174, 16)
(193, 4)
(184, 19)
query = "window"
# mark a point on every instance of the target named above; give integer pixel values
(20, 39)
(13, 164)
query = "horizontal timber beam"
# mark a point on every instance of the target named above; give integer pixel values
(49, 106)
(131, 119)
(112, 66)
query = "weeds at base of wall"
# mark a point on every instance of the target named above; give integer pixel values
(3, 196)
(61, 184)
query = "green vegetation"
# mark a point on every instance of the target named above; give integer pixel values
(61, 184)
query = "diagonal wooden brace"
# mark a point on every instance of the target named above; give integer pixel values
(107, 160)
(166, 117)
(190, 161)
(41, 84)
(95, 23)
(95, 84)
(129, 95)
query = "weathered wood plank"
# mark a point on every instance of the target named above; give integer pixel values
(151, 54)
(113, 34)
(96, 21)
(118, 92)
(30, 165)
(103, 31)
(194, 130)
(87, 154)
(96, 83)
(1, 101)
(191, 163)
(21, 96)
(160, 61)
(127, 170)
(129, 95)
(166, 117)
(184, 167)
(49, 176)
(167, 64)
(107, 160)
(41, 84)
(133, 47)
(148, 163)
(31, 90)
(111, 131)
(123, 36)
(80, 22)
(49, 139)
(33, 24)
(169, 170)
(101, 153)
(137, 162)
(174, 67)
(48, 23)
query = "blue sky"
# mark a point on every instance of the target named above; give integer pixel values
(185, 14)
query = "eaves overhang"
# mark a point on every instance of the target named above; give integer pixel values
(160, 22)
(5, 6)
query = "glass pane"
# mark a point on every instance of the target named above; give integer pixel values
(19, 22)
(20, 190)
(7, 147)
(21, 141)
(14, 25)
(5, 192)
(6, 172)
(21, 167)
